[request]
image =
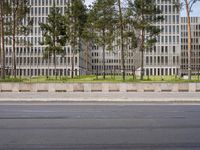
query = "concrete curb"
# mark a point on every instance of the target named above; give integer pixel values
(187, 97)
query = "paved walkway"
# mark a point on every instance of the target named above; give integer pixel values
(101, 97)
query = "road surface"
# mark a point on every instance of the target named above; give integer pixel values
(99, 126)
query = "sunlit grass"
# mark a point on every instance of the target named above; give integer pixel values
(99, 79)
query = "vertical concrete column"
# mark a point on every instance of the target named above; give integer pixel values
(192, 87)
(51, 87)
(157, 87)
(15, 87)
(123, 87)
(33, 87)
(87, 87)
(175, 87)
(140, 87)
(70, 87)
(105, 87)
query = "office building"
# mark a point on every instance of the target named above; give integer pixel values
(30, 60)
(195, 47)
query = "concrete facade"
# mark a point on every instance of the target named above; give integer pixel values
(164, 57)
(29, 59)
(161, 59)
(195, 56)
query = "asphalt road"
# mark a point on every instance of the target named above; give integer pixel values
(99, 127)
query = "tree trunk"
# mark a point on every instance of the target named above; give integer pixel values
(104, 55)
(189, 39)
(14, 44)
(72, 71)
(1, 22)
(2, 43)
(54, 61)
(122, 40)
(142, 46)
(142, 56)
(86, 58)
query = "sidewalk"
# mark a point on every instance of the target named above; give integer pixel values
(101, 97)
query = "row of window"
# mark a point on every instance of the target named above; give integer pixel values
(168, 9)
(39, 61)
(47, 2)
(192, 19)
(130, 70)
(33, 51)
(193, 40)
(169, 29)
(43, 11)
(193, 61)
(160, 49)
(193, 47)
(193, 34)
(161, 60)
(44, 72)
(171, 19)
(193, 27)
(168, 39)
(161, 71)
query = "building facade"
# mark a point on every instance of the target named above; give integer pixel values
(161, 59)
(195, 48)
(167, 57)
(29, 59)
(164, 57)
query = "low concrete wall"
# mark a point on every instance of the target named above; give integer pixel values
(100, 87)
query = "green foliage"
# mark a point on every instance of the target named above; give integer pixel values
(93, 79)
(75, 19)
(145, 14)
(102, 18)
(19, 9)
(54, 33)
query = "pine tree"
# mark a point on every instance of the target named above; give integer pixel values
(4, 12)
(75, 19)
(125, 30)
(54, 35)
(103, 20)
(145, 14)
(20, 25)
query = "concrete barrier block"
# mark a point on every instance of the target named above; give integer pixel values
(192, 87)
(131, 87)
(105, 87)
(87, 87)
(113, 87)
(140, 87)
(96, 87)
(25, 87)
(6, 86)
(166, 87)
(175, 88)
(78, 87)
(33, 87)
(157, 87)
(123, 87)
(60, 87)
(183, 87)
(15, 87)
(43, 87)
(70, 87)
(148, 87)
(197, 87)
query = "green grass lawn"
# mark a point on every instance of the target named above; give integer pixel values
(93, 78)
